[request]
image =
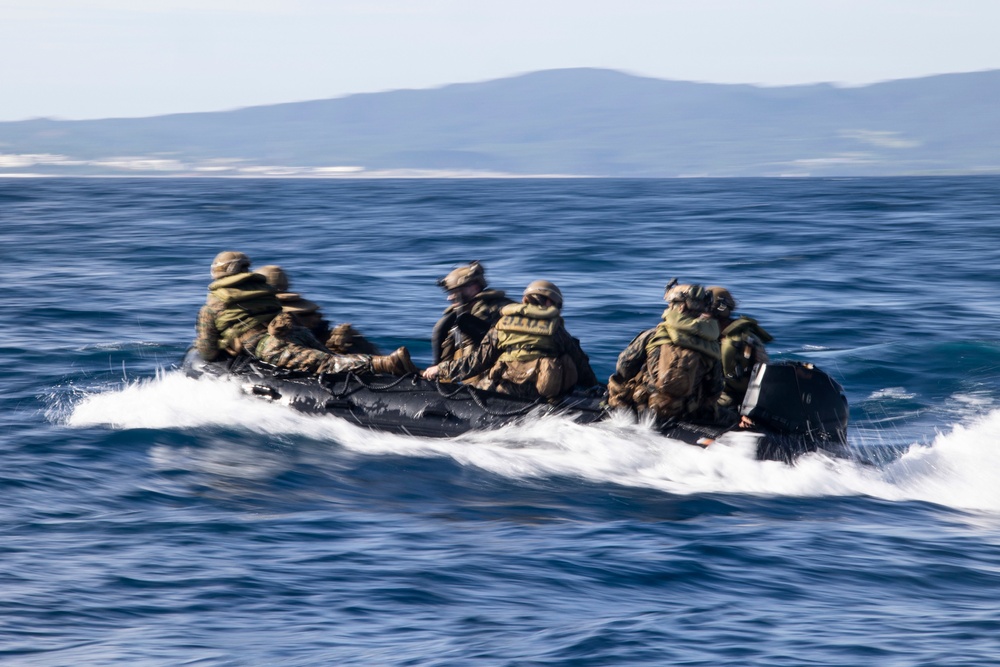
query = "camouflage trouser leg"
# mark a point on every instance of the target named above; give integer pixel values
(342, 363)
(665, 405)
(286, 354)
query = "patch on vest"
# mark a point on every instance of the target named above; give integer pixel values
(527, 325)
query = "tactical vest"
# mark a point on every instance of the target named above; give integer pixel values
(681, 330)
(247, 303)
(677, 328)
(488, 303)
(526, 332)
(485, 306)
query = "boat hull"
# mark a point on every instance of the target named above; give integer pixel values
(795, 408)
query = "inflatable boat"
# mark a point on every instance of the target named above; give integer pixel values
(794, 407)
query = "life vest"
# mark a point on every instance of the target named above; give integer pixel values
(529, 354)
(742, 347)
(248, 303)
(682, 330)
(745, 330)
(526, 332)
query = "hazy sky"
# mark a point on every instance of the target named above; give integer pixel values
(101, 58)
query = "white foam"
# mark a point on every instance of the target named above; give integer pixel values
(892, 393)
(958, 469)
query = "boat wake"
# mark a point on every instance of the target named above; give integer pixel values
(957, 469)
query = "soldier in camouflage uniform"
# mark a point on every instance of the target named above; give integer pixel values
(342, 339)
(242, 314)
(238, 308)
(673, 370)
(288, 345)
(473, 310)
(528, 353)
(742, 342)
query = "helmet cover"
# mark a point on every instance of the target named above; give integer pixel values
(546, 289)
(229, 263)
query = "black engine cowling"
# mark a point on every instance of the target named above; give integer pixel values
(797, 398)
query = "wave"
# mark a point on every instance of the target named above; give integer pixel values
(957, 469)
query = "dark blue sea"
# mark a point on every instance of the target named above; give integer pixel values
(151, 519)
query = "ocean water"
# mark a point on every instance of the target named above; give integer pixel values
(150, 519)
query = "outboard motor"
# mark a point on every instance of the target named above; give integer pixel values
(799, 402)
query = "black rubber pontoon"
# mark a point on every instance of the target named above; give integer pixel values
(408, 405)
(795, 407)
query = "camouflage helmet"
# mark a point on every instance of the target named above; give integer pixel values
(472, 272)
(546, 289)
(723, 302)
(229, 263)
(275, 275)
(693, 297)
(296, 305)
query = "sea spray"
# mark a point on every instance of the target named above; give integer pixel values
(957, 470)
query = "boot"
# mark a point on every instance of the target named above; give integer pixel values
(398, 363)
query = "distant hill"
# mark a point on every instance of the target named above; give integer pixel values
(582, 122)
